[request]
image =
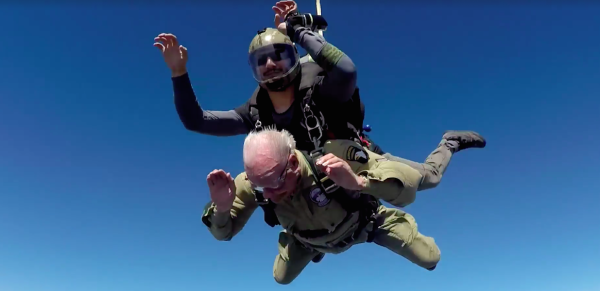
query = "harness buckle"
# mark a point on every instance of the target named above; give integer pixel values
(346, 241)
(309, 115)
(328, 185)
(259, 198)
(317, 129)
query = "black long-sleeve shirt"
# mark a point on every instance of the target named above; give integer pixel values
(338, 86)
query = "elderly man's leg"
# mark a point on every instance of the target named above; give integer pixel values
(293, 257)
(436, 163)
(434, 167)
(399, 234)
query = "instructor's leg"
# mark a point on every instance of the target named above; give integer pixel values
(399, 234)
(293, 257)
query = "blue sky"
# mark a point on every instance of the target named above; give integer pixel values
(102, 188)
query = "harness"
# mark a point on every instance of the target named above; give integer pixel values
(313, 122)
(366, 205)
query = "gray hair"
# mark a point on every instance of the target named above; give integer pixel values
(279, 144)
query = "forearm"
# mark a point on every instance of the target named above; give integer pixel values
(220, 224)
(222, 227)
(340, 81)
(217, 123)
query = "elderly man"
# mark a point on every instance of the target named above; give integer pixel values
(326, 201)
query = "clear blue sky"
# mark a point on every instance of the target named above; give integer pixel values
(102, 188)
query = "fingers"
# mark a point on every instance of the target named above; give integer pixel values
(173, 39)
(336, 165)
(327, 159)
(161, 42)
(277, 18)
(282, 9)
(278, 12)
(162, 39)
(329, 162)
(210, 178)
(159, 45)
(184, 53)
(167, 40)
(231, 182)
(217, 178)
(287, 5)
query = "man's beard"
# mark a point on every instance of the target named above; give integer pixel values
(273, 73)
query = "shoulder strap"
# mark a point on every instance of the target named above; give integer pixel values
(254, 116)
(313, 120)
(332, 190)
(260, 115)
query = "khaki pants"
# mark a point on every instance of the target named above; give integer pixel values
(398, 233)
(434, 167)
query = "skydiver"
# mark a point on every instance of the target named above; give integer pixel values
(291, 180)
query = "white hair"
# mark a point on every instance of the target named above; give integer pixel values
(270, 141)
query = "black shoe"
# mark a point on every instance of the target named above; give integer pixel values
(318, 258)
(465, 139)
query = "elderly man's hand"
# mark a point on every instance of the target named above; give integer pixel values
(340, 172)
(222, 189)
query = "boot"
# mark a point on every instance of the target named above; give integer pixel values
(318, 258)
(460, 140)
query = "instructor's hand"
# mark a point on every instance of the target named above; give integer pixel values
(222, 190)
(175, 55)
(339, 171)
(282, 9)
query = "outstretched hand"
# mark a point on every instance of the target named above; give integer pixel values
(222, 189)
(339, 171)
(174, 54)
(282, 9)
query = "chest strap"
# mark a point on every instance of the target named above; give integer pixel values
(268, 208)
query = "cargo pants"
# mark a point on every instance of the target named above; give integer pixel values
(434, 167)
(398, 233)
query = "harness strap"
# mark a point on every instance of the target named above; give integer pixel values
(321, 179)
(375, 218)
(311, 122)
(268, 208)
(368, 215)
(314, 121)
(365, 204)
(255, 118)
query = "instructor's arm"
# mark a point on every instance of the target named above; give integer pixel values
(340, 81)
(193, 117)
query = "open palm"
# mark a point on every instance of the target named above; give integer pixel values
(174, 54)
(222, 189)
